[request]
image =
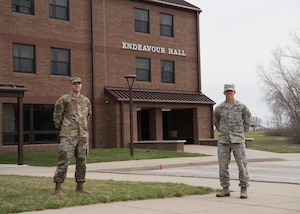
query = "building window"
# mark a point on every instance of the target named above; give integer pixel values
(59, 9)
(166, 25)
(23, 6)
(37, 121)
(143, 69)
(60, 62)
(167, 71)
(24, 58)
(141, 21)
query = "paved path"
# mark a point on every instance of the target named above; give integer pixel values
(264, 197)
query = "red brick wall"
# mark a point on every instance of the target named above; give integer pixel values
(120, 28)
(44, 33)
(113, 24)
(205, 129)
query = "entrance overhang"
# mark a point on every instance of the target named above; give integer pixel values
(158, 96)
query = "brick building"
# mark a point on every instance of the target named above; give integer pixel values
(44, 43)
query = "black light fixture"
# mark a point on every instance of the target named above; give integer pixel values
(130, 80)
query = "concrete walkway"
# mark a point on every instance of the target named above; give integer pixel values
(264, 197)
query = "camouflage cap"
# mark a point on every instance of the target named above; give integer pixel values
(75, 79)
(229, 87)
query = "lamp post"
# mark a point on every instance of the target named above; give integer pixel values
(130, 80)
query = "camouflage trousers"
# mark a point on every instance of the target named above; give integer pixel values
(68, 147)
(224, 156)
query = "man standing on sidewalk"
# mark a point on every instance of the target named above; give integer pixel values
(232, 119)
(71, 115)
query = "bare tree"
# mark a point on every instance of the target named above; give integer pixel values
(281, 85)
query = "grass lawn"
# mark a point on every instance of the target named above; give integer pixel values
(49, 157)
(23, 193)
(272, 143)
(267, 143)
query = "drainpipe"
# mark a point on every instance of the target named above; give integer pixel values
(122, 125)
(93, 76)
(198, 52)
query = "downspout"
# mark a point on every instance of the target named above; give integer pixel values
(212, 134)
(122, 125)
(93, 76)
(198, 52)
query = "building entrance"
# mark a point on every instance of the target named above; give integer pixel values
(143, 118)
(176, 124)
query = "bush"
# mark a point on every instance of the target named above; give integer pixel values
(291, 133)
(276, 132)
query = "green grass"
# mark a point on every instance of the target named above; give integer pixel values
(49, 157)
(276, 144)
(23, 193)
(267, 143)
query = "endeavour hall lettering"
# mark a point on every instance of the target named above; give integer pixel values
(153, 49)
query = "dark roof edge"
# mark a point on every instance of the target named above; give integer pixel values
(175, 5)
(152, 90)
(110, 91)
(12, 87)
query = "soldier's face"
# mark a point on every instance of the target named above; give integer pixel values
(229, 94)
(76, 86)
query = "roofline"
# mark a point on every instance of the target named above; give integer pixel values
(122, 99)
(151, 90)
(7, 87)
(175, 5)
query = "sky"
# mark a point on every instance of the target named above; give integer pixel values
(236, 36)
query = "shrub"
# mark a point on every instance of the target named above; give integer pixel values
(291, 133)
(276, 132)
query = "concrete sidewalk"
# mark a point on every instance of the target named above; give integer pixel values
(263, 197)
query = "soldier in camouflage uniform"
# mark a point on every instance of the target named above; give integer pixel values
(71, 116)
(231, 119)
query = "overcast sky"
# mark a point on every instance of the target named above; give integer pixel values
(237, 35)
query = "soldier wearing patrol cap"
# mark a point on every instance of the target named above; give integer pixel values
(232, 119)
(71, 115)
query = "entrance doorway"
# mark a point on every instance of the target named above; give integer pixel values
(178, 124)
(143, 118)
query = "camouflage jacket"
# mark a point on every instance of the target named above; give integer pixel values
(231, 121)
(71, 116)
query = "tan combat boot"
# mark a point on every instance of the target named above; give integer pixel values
(57, 190)
(244, 192)
(224, 193)
(80, 188)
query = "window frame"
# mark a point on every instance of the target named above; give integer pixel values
(167, 76)
(140, 25)
(146, 71)
(19, 6)
(36, 128)
(54, 7)
(56, 64)
(19, 60)
(163, 26)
